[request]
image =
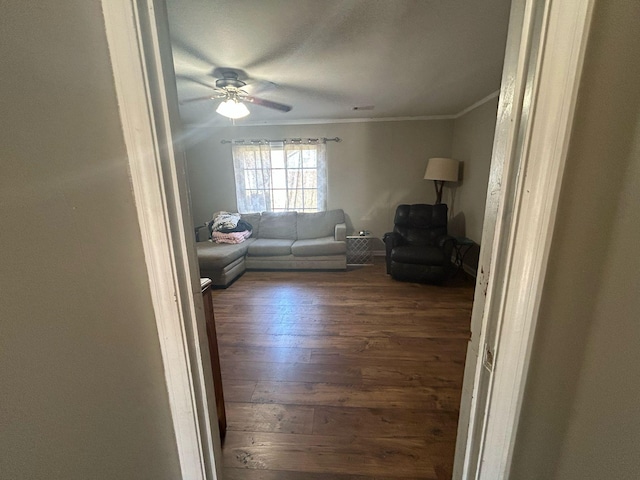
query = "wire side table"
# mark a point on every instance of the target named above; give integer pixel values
(461, 247)
(359, 250)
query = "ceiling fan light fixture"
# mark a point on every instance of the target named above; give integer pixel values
(232, 109)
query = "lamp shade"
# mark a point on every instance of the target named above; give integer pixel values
(233, 109)
(443, 169)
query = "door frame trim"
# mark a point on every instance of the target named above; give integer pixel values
(138, 40)
(529, 176)
(533, 133)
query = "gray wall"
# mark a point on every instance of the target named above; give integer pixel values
(581, 416)
(472, 145)
(82, 391)
(376, 167)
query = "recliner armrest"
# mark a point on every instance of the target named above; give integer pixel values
(341, 232)
(446, 243)
(390, 239)
(441, 240)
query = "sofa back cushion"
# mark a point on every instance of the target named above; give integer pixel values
(278, 225)
(254, 220)
(318, 225)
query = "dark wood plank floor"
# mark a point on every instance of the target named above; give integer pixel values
(341, 375)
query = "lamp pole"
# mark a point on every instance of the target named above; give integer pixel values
(439, 184)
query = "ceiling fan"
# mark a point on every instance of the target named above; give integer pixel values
(229, 89)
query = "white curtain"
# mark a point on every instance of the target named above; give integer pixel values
(280, 177)
(252, 167)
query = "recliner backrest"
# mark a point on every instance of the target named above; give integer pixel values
(421, 224)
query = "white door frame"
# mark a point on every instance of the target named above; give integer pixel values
(543, 66)
(138, 38)
(540, 80)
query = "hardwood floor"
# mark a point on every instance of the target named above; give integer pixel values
(341, 375)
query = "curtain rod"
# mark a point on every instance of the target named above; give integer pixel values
(284, 140)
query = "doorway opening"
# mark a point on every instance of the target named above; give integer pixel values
(530, 218)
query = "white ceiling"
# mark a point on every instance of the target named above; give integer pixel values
(408, 58)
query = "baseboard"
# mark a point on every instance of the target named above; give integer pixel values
(470, 270)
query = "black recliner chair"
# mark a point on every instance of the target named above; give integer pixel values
(419, 249)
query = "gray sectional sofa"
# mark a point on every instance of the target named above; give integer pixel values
(279, 241)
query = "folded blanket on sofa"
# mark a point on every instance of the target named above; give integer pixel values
(234, 237)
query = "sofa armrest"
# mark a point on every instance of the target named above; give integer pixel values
(341, 232)
(197, 231)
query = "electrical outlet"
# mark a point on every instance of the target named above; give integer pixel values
(488, 358)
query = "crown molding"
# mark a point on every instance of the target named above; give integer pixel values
(477, 104)
(325, 121)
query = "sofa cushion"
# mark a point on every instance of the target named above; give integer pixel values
(318, 246)
(264, 247)
(278, 225)
(423, 255)
(217, 255)
(254, 220)
(319, 224)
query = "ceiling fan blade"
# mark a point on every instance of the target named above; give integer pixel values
(192, 79)
(208, 97)
(267, 103)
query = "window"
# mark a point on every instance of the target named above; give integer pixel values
(280, 177)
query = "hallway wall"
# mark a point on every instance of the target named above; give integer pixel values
(82, 391)
(580, 418)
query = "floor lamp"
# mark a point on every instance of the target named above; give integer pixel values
(441, 170)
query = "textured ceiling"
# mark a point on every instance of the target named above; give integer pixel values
(407, 58)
